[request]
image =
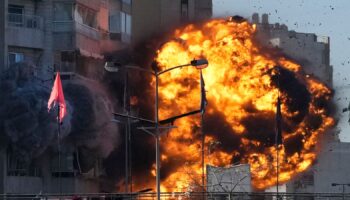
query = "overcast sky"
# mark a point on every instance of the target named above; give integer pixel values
(322, 17)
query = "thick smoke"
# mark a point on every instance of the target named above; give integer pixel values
(301, 123)
(29, 129)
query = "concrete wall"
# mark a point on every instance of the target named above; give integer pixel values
(34, 38)
(307, 49)
(333, 166)
(102, 17)
(157, 16)
(2, 170)
(23, 185)
(25, 37)
(203, 9)
(45, 9)
(170, 13)
(146, 19)
(3, 46)
(29, 7)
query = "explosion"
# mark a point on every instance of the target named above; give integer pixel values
(243, 82)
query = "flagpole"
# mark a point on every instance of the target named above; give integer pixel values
(277, 182)
(203, 141)
(57, 97)
(277, 134)
(59, 148)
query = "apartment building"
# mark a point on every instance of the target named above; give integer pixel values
(313, 53)
(308, 49)
(134, 21)
(73, 36)
(53, 34)
(64, 34)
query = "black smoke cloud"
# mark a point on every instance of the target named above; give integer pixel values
(29, 129)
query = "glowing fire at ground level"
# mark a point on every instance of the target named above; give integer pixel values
(243, 83)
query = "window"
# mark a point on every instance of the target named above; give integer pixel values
(126, 1)
(86, 16)
(15, 16)
(125, 23)
(62, 11)
(184, 10)
(15, 58)
(15, 9)
(66, 166)
(19, 167)
(115, 23)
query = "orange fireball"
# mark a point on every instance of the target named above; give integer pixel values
(242, 83)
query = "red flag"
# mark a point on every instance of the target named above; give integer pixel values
(57, 96)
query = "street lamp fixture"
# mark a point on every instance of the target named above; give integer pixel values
(200, 64)
(114, 67)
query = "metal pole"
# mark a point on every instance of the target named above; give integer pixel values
(203, 141)
(130, 154)
(126, 137)
(277, 183)
(343, 191)
(277, 160)
(202, 129)
(59, 149)
(157, 135)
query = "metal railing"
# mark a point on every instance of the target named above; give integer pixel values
(26, 21)
(183, 196)
(73, 26)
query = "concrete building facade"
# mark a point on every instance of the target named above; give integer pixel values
(73, 36)
(312, 52)
(53, 34)
(141, 19)
(65, 35)
(308, 49)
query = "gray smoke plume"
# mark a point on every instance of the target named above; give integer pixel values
(28, 127)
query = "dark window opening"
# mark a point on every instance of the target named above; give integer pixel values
(17, 166)
(15, 15)
(184, 10)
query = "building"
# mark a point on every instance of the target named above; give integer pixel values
(66, 35)
(312, 52)
(328, 174)
(308, 49)
(73, 36)
(135, 21)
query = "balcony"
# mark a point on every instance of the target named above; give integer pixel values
(76, 27)
(25, 31)
(72, 35)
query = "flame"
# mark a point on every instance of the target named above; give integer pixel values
(134, 100)
(241, 86)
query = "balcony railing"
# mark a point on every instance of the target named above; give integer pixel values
(26, 21)
(73, 26)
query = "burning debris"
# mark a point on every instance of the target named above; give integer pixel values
(30, 129)
(243, 83)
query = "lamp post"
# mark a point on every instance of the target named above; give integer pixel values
(199, 64)
(343, 187)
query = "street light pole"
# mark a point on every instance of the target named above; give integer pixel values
(157, 135)
(199, 64)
